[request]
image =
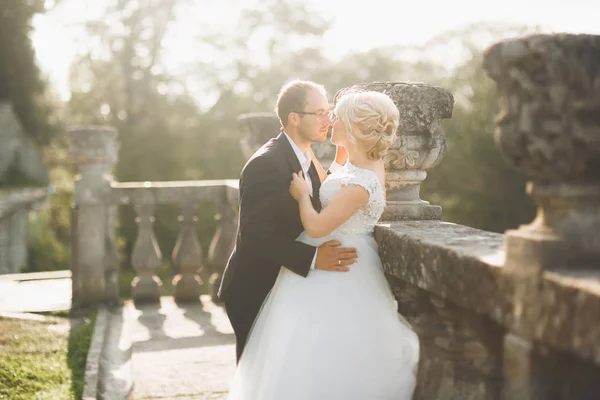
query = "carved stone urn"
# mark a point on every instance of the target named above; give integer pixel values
(549, 129)
(419, 146)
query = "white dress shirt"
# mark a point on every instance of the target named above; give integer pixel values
(305, 160)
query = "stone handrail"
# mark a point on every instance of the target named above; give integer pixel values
(171, 191)
(15, 205)
(15, 199)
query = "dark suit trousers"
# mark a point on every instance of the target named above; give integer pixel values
(241, 314)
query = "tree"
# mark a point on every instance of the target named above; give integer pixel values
(20, 81)
(474, 185)
(122, 82)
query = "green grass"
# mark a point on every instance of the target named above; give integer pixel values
(43, 360)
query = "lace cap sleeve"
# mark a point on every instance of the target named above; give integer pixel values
(368, 181)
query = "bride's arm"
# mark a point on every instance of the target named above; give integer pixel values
(347, 201)
(341, 156)
(322, 173)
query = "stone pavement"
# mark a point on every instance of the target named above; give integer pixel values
(35, 292)
(181, 352)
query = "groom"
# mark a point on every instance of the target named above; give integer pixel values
(269, 217)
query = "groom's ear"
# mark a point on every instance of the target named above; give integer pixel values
(293, 118)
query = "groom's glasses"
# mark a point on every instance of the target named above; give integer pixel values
(319, 114)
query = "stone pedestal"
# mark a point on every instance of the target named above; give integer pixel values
(420, 146)
(94, 151)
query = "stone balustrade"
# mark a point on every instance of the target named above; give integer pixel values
(95, 258)
(187, 257)
(512, 316)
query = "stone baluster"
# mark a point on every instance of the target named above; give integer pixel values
(146, 256)
(548, 128)
(187, 255)
(111, 272)
(94, 151)
(223, 241)
(420, 146)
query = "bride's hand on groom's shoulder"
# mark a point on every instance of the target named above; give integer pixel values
(298, 187)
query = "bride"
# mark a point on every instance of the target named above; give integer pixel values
(336, 336)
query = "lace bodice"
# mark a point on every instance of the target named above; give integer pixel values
(364, 220)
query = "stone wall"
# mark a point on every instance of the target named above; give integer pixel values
(20, 156)
(18, 152)
(452, 286)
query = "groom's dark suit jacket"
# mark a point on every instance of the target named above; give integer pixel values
(269, 223)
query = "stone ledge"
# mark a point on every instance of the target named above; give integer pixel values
(92, 364)
(170, 191)
(464, 265)
(108, 371)
(458, 263)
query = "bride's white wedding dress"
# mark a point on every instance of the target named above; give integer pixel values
(332, 335)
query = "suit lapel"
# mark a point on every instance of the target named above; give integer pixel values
(292, 161)
(288, 154)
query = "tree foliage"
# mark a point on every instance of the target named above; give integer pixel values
(20, 82)
(166, 132)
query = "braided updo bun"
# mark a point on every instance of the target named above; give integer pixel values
(371, 119)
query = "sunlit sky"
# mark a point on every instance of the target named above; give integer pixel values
(355, 26)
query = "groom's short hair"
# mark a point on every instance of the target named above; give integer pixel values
(292, 97)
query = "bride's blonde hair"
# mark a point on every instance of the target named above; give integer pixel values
(371, 119)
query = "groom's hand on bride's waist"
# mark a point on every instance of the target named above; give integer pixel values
(332, 257)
